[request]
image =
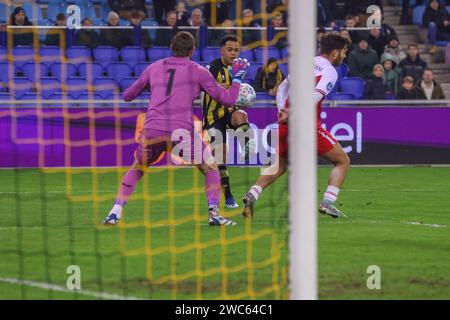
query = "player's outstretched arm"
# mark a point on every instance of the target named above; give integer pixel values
(138, 86)
(226, 97)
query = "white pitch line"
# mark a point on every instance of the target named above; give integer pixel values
(418, 223)
(53, 287)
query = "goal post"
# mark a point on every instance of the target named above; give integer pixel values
(302, 153)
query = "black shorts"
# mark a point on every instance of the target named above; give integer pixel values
(222, 124)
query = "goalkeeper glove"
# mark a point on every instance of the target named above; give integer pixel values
(238, 69)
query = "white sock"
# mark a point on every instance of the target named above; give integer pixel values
(117, 209)
(256, 191)
(213, 209)
(331, 194)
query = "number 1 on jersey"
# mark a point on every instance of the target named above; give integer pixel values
(170, 83)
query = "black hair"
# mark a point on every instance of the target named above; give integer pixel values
(230, 37)
(332, 42)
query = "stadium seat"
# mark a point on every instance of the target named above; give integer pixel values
(93, 100)
(284, 68)
(78, 54)
(132, 55)
(55, 7)
(140, 67)
(126, 82)
(3, 15)
(32, 97)
(34, 71)
(264, 96)
(58, 96)
(150, 23)
(62, 71)
(264, 53)
(4, 96)
(418, 15)
(50, 55)
(341, 96)
(119, 70)
(196, 56)
(48, 86)
(90, 71)
(353, 85)
(21, 55)
(19, 86)
(253, 70)
(6, 71)
(76, 86)
(157, 53)
(284, 53)
(105, 55)
(247, 54)
(3, 54)
(105, 86)
(210, 54)
(34, 13)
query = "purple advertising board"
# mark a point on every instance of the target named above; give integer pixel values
(78, 137)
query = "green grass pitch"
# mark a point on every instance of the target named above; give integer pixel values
(398, 219)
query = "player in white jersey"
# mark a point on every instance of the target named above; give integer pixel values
(334, 49)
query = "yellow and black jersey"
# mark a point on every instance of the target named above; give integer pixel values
(212, 109)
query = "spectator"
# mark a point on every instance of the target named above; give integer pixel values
(338, 10)
(377, 41)
(116, 37)
(132, 10)
(215, 36)
(409, 90)
(222, 8)
(413, 65)
(87, 37)
(323, 16)
(162, 8)
(429, 87)
(374, 89)
(346, 35)
(196, 21)
(280, 38)
(393, 47)
(362, 60)
(250, 36)
(278, 5)
(164, 36)
(319, 35)
(22, 36)
(182, 14)
(360, 9)
(391, 74)
(268, 78)
(53, 36)
(350, 22)
(437, 20)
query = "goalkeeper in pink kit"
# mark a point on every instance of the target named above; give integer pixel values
(174, 84)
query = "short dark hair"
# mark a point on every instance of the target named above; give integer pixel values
(332, 42)
(413, 45)
(428, 69)
(349, 17)
(182, 44)
(60, 16)
(230, 37)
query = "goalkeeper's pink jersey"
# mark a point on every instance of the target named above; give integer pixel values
(174, 83)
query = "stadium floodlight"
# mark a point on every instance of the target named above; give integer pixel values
(302, 153)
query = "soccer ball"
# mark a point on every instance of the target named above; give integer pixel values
(247, 96)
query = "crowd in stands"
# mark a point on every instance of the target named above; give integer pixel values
(376, 57)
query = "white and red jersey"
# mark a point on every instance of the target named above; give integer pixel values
(326, 78)
(283, 94)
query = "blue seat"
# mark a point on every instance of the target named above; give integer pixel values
(4, 96)
(139, 68)
(21, 55)
(33, 99)
(50, 55)
(284, 68)
(48, 86)
(342, 71)
(196, 56)
(263, 96)
(58, 96)
(126, 82)
(284, 53)
(418, 15)
(247, 54)
(3, 54)
(94, 100)
(210, 54)
(34, 71)
(253, 70)
(132, 55)
(105, 86)
(55, 7)
(119, 70)
(76, 86)
(6, 71)
(150, 23)
(353, 85)
(78, 54)
(90, 71)
(105, 55)
(3, 15)
(264, 53)
(157, 53)
(341, 96)
(19, 86)
(34, 13)
(62, 71)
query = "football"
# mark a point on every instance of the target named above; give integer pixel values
(247, 96)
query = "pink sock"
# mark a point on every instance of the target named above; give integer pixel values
(212, 187)
(128, 185)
